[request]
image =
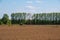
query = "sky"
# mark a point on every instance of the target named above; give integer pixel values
(29, 6)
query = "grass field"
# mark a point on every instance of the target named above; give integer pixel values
(30, 32)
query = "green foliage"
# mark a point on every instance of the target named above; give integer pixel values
(13, 18)
(5, 19)
(18, 18)
(46, 18)
(38, 18)
(9, 22)
(1, 22)
(27, 18)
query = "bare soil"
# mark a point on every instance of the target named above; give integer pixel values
(30, 32)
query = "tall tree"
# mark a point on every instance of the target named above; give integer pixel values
(5, 19)
(12, 18)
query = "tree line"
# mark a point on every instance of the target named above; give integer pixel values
(28, 18)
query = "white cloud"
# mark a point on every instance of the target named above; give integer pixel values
(31, 7)
(29, 2)
(38, 1)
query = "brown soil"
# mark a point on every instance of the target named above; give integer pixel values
(30, 32)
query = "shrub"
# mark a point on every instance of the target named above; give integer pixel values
(1, 22)
(21, 23)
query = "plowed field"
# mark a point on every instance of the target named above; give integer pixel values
(30, 32)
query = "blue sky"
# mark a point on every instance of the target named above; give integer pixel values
(31, 6)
